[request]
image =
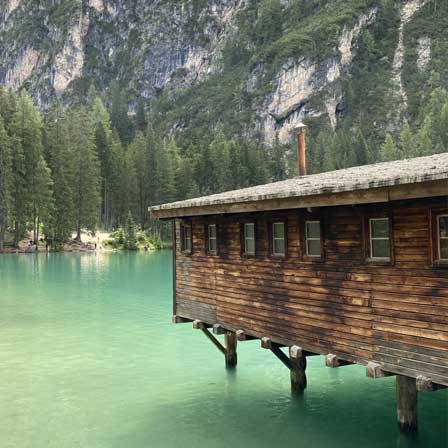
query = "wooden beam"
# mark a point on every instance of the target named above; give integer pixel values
(215, 341)
(425, 384)
(199, 325)
(230, 342)
(275, 348)
(180, 320)
(375, 370)
(241, 335)
(406, 404)
(333, 361)
(219, 329)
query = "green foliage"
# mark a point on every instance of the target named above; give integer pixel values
(5, 180)
(130, 242)
(388, 150)
(86, 177)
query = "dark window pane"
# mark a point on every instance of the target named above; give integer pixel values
(279, 230)
(212, 231)
(444, 249)
(380, 249)
(314, 248)
(279, 247)
(187, 238)
(313, 229)
(443, 226)
(379, 228)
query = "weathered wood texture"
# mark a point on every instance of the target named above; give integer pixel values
(393, 314)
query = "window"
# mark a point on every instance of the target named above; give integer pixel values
(278, 239)
(212, 239)
(313, 239)
(442, 237)
(186, 238)
(249, 238)
(379, 235)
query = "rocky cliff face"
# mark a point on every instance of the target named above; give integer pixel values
(147, 45)
(60, 47)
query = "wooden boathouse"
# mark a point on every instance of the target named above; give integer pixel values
(350, 264)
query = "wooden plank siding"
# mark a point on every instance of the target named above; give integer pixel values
(395, 314)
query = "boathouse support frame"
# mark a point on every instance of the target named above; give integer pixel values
(229, 349)
(296, 363)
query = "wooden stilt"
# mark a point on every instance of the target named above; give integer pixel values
(230, 342)
(406, 404)
(298, 367)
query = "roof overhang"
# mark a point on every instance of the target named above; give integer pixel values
(358, 197)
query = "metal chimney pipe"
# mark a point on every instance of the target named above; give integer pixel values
(301, 149)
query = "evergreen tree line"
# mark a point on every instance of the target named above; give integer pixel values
(90, 166)
(350, 146)
(78, 168)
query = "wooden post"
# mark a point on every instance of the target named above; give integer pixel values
(298, 368)
(406, 404)
(230, 341)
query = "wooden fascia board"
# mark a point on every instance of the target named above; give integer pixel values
(368, 196)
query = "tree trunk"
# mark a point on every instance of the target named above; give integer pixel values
(2, 237)
(35, 224)
(37, 233)
(16, 234)
(78, 232)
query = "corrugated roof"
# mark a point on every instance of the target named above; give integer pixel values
(367, 177)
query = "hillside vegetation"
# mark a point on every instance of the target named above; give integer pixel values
(207, 84)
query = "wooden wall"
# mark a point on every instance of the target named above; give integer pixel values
(394, 314)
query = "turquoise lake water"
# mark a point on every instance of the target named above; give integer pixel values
(89, 358)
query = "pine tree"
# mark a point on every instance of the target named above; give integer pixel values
(86, 173)
(103, 142)
(140, 176)
(166, 160)
(220, 163)
(186, 185)
(424, 143)
(8, 106)
(5, 181)
(119, 182)
(131, 233)
(119, 113)
(257, 165)
(18, 191)
(140, 116)
(27, 128)
(407, 143)
(278, 163)
(60, 159)
(43, 201)
(388, 150)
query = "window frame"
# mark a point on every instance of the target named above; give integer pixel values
(307, 239)
(368, 247)
(436, 249)
(272, 238)
(304, 218)
(209, 251)
(184, 225)
(244, 252)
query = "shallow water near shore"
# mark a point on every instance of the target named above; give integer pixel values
(89, 358)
